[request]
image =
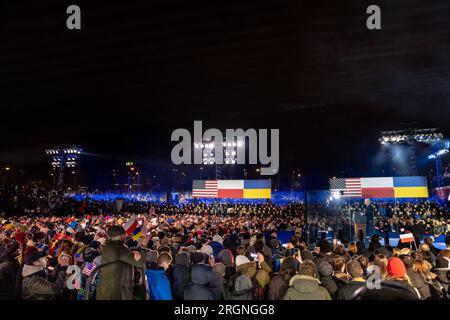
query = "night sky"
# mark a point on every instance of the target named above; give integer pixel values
(137, 71)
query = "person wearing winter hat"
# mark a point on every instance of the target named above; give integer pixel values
(206, 249)
(216, 245)
(257, 276)
(35, 283)
(396, 287)
(327, 281)
(240, 260)
(116, 275)
(325, 251)
(279, 283)
(181, 274)
(226, 257)
(275, 248)
(219, 270)
(204, 282)
(396, 270)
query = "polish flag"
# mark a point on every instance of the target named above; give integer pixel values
(131, 224)
(407, 237)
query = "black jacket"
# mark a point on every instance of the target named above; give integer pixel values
(8, 272)
(330, 284)
(347, 291)
(181, 277)
(419, 283)
(278, 286)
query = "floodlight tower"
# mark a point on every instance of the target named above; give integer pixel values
(208, 154)
(439, 172)
(409, 137)
(62, 158)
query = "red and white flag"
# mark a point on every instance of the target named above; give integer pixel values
(131, 224)
(407, 237)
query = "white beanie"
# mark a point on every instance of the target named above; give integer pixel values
(218, 238)
(240, 260)
(206, 249)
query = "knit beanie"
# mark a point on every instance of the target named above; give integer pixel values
(396, 267)
(240, 260)
(325, 269)
(226, 257)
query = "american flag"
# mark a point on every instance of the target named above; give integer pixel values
(88, 268)
(205, 188)
(351, 187)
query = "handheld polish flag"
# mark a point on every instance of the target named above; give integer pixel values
(131, 225)
(406, 238)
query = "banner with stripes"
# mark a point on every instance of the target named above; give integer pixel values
(381, 187)
(234, 189)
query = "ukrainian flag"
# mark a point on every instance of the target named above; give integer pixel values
(257, 189)
(410, 187)
(137, 233)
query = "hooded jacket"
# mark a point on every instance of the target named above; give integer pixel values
(36, 286)
(262, 275)
(202, 283)
(306, 288)
(278, 286)
(117, 272)
(8, 272)
(181, 279)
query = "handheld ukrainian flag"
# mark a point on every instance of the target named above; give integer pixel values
(137, 233)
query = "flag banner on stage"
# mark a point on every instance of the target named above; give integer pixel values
(234, 189)
(381, 187)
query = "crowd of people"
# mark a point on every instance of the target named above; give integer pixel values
(56, 248)
(421, 218)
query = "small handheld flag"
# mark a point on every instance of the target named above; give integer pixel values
(131, 225)
(137, 233)
(406, 238)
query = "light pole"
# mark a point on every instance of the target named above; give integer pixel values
(62, 158)
(74, 173)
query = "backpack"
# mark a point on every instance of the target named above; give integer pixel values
(257, 291)
(438, 290)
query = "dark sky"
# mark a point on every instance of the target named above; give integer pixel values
(139, 69)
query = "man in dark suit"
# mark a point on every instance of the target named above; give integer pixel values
(359, 220)
(370, 213)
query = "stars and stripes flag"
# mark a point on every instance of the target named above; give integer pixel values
(381, 187)
(88, 268)
(350, 187)
(205, 188)
(232, 189)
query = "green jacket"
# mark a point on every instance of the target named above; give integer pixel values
(36, 286)
(116, 276)
(306, 288)
(262, 275)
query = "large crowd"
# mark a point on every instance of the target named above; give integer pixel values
(52, 247)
